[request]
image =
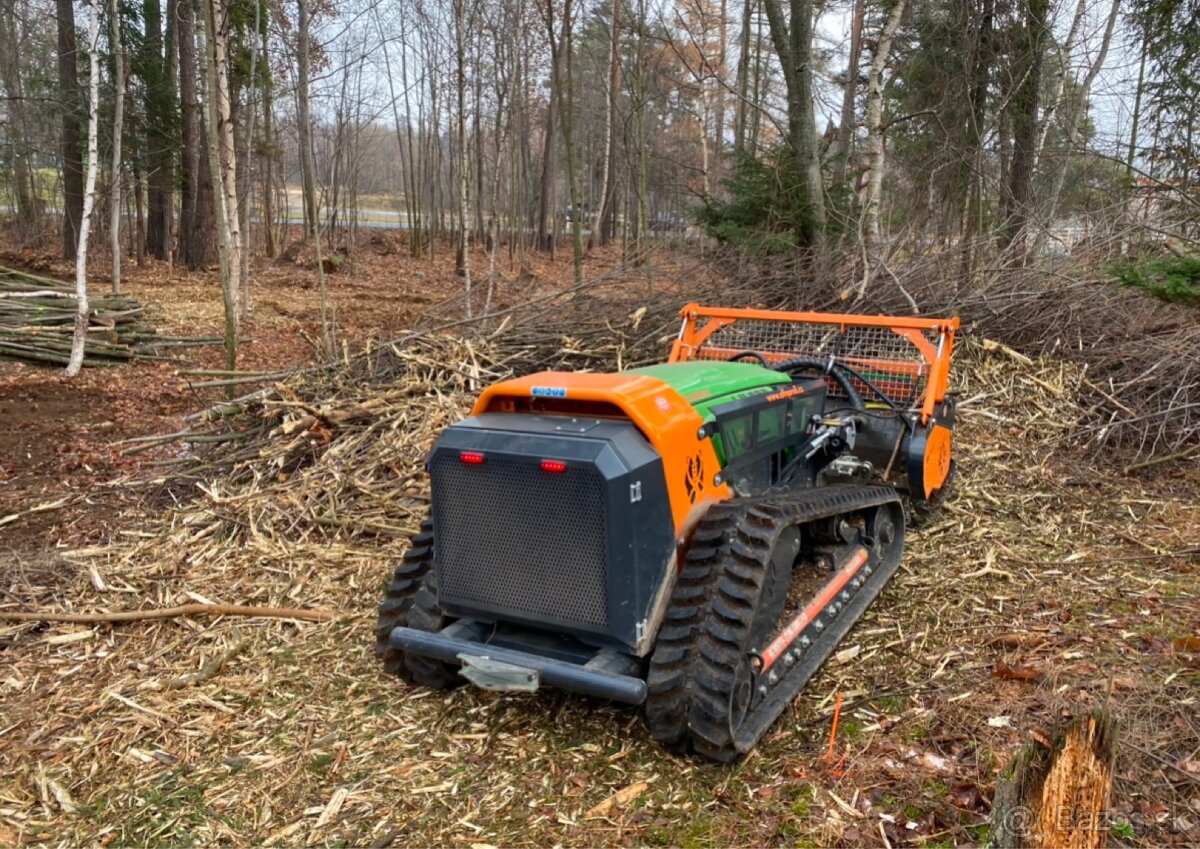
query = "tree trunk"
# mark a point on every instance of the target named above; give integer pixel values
(1059, 796)
(72, 158)
(610, 117)
(245, 178)
(114, 223)
(981, 76)
(845, 138)
(308, 177)
(546, 211)
(793, 44)
(875, 134)
(462, 263)
(197, 236)
(266, 163)
(641, 232)
(223, 100)
(722, 74)
(159, 112)
(312, 220)
(565, 90)
(742, 82)
(10, 77)
(229, 265)
(79, 338)
(1023, 109)
(139, 226)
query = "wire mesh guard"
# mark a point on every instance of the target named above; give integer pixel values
(886, 358)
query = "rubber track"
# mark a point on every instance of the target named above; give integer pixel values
(668, 681)
(425, 615)
(398, 597)
(721, 643)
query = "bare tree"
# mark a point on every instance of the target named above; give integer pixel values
(875, 140)
(79, 338)
(69, 96)
(114, 218)
(461, 260)
(220, 159)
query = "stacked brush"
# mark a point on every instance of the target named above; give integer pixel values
(37, 318)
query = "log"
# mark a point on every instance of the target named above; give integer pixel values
(1057, 797)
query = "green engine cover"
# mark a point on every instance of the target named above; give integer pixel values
(708, 383)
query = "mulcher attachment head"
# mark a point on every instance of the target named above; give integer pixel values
(899, 366)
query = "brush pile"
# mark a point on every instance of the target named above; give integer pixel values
(339, 450)
(1141, 382)
(37, 318)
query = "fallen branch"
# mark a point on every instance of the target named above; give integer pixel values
(169, 613)
(41, 508)
(1156, 461)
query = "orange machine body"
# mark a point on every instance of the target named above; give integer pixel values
(662, 415)
(909, 358)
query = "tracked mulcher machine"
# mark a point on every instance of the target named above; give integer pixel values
(694, 537)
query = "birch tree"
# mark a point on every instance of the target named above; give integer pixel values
(114, 218)
(79, 339)
(875, 140)
(219, 157)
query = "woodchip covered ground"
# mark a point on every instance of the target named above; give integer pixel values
(1050, 583)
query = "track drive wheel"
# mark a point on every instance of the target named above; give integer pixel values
(425, 615)
(398, 597)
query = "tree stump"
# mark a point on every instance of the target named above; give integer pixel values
(1057, 797)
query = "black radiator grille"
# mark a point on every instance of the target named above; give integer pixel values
(511, 537)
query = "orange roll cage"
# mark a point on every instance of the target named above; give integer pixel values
(907, 358)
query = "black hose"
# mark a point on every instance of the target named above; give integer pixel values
(882, 396)
(833, 370)
(741, 355)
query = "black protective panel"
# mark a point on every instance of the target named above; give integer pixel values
(581, 551)
(513, 537)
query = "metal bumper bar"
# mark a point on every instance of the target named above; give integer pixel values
(586, 679)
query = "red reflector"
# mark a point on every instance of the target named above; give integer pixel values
(553, 466)
(472, 457)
